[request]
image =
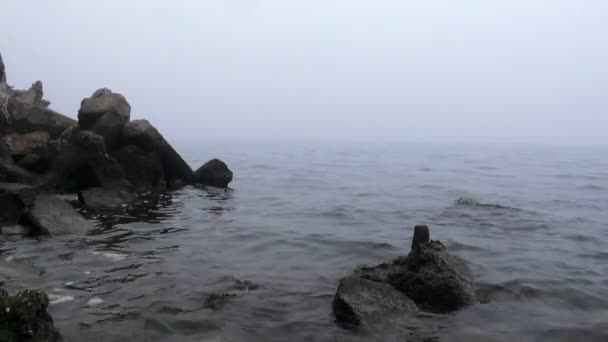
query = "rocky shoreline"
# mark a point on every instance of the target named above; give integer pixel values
(103, 156)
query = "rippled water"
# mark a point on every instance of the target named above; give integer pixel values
(261, 263)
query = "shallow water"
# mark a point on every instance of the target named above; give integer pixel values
(261, 263)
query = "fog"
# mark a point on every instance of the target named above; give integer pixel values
(475, 71)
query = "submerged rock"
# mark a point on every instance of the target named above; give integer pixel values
(99, 198)
(24, 317)
(52, 215)
(429, 276)
(435, 279)
(359, 300)
(213, 173)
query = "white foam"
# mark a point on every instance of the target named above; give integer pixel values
(95, 301)
(9, 258)
(58, 299)
(111, 256)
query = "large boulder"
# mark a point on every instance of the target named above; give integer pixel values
(105, 113)
(359, 300)
(213, 173)
(11, 172)
(53, 215)
(145, 136)
(27, 118)
(143, 169)
(24, 317)
(32, 151)
(82, 162)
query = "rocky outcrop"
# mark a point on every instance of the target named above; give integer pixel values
(29, 117)
(32, 97)
(213, 173)
(105, 113)
(429, 275)
(142, 134)
(359, 300)
(24, 317)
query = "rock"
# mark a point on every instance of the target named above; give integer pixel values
(358, 300)
(27, 118)
(145, 136)
(435, 279)
(16, 230)
(213, 173)
(83, 163)
(32, 97)
(2, 72)
(52, 215)
(421, 235)
(98, 198)
(20, 145)
(105, 113)
(11, 172)
(142, 169)
(35, 163)
(24, 317)
(14, 199)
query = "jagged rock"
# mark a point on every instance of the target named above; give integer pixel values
(145, 136)
(20, 145)
(98, 198)
(83, 163)
(105, 113)
(435, 279)
(11, 172)
(213, 173)
(2, 72)
(27, 118)
(142, 168)
(52, 215)
(32, 97)
(358, 300)
(24, 317)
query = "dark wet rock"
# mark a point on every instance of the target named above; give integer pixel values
(145, 136)
(143, 169)
(358, 300)
(105, 113)
(35, 162)
(83, 163)
(24, 317)
(16, 230)
(435, 279)
(52, 215)
(216, 301)
(15, 200)
(429, 276)
(20, 145)
(11, 172)
(99, 198)
(421, 235)
(213, 173)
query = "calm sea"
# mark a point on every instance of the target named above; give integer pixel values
(261, 263)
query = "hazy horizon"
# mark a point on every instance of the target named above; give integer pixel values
(436, 71)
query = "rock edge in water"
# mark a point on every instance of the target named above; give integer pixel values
(429, 276)
(24, 317)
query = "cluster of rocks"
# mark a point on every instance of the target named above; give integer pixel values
(24, 317)
(429, 279)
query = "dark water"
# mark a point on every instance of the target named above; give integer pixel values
(261, 263)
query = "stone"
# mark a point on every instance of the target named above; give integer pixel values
(82, 163)
(358, 300)
(15, 200)
(435, 279)
(213, 173)
(15, 230)
(35, 163)
(27, 118)
(99, 198)
(33, 96)
(421, 235)
(52, 215)
(105, 113)
(20, 145)
(143, 169)
(24, 317)
(145, 136)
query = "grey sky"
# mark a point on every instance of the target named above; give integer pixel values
(484, 70)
